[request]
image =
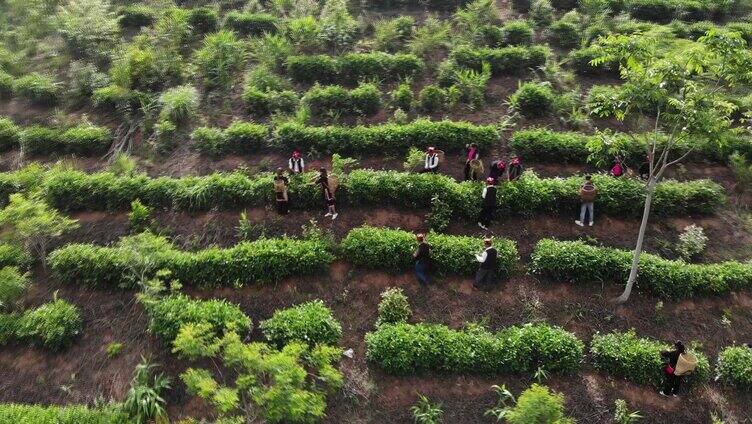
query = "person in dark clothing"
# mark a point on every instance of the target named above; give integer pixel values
(329, 200)
(296, 164)
(497, 170)
(485, 277)
(422, 258)
(673, 381)
(280, 189)
(515, 168)
(473, 154)
(489, 204)
(431, 161)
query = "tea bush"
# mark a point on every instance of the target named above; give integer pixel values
(262, 103)
(579, 262)
(71, 414)
(37, 88)
(580, 59)
(264, 260)
(538, 405)
(179, 104)
(86, 139)
(735, 367)
(394, 307)
(136, 16)
(8, 326)
(432, 98)
(168, 315)
(517, 33)
(10, 134)
(311, 323)
(332, 101)
(15, 256)
(417, 348)
(533, 99)
(13, 285)
(52, 325)
(692, 242)
(39, 140)
(385, 138)
(238, 138)
(374, 247)
(662, 11)
(251, 24)
(565, 34)
(220, 59)
(353, 67)
(402, 98)
(6, 84)
(545, 145)
(503, 61)
(203, 20)
(638, 359)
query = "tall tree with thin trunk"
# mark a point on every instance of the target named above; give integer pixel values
(681, 97)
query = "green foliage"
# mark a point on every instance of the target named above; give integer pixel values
(565, 34)
(179, 104)
(504, 61)
(472, 85)
(220, 59)
(426, 412)
(89, 27)
(476, 14)
(432, 98)
(170, 314)
(139, 217)
(10, 134)
(402, 97)
(517, 33)
(394, 307)
(353, 67)
(735, 367)
(136, 16)
(85, 78)
(144, 402)
(251, 24)
(312, 323)
(392, 35)
(37, 88)
(239, 138)
(29, 221)
(581, 61)
(416, 348)
(8, 327)
(431, 38)
(13, 285)
(262, 103)
(533, 99)
(52, 325)
(441, 214)
(538, 405)
(622, 414)
(203, 20)
(14, 256)
(114, 349)
(579, 262)
(692, 242)
(638, 359)
(541, 12)
(6, 84)
(143, 68)
(373, 247)
(71, 414)
(264, 260)
(86, 139)
(338, 30)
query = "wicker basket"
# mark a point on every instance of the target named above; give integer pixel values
(686, 364)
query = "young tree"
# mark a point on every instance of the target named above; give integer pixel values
(684, 95)
(29, 221)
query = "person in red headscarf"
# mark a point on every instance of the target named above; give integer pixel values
(498, 168)
(432, 161)
(515, 168)
(489, 204)
(296, 165)
(473, 154)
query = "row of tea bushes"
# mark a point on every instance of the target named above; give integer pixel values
(352, 68)
(545, 145)
(36, 140)
(11, 413)
(53, 325)
(310, 323)
(39, 89)
(264, 260)
(371, 247)
(168, 315)
(503, 61)
(244, 137)
(334, 100)
(416, 348)
(74, 191)
(735, 366)
(579, 262)
(15, 256)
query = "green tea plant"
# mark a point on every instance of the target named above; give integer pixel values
(13, 285)
(220, 59)
(427, 412)
(692, 242)
(179, 104)
(140, 217)
(538, 405)
(10, 134)
(169, 314)
(144, 402)
(69, 414)
(533, 99)
(734, 367)
(622, 414)
(394, 307)
(52, 325)
(312, 323)
(89, 27)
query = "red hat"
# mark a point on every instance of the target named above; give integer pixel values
(490, 180)
(296, 154)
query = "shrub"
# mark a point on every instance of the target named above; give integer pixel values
(521, 6)
(84, 78)
(13, 285)
(576, 261)
(262, 103)
(564, 34)
(264, 260)
(392, 35)
(432, 98)
(246, 137)
(638, 359)
(366, 99)
(328, 101)
(541, 12)
(203, 20)
(660, 11)
(503, 61)
(310, 69)
(53, 325)
(8, 328)
(38, 140)
(580, 61)
(6, 84)
(14, 256)
(735, 367)
(136, 16)
(37, 88)
(10, 134)
(179, 104)
(402, 98)
(394, 307)
(450, 136)
(144, 68)
(373, 247)
(533, 99)
(168, 315)
(209, 141)
(517, 33)
(71, 414)
(550, 146)
(113, 97)
(311, 323)
(692, 242)
(416, 348)
(220, 59)
(538, 405)
(353, 67)
(251, 24)
(86, 139)
(139, 217)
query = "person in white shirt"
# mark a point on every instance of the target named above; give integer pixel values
(296, 165)
(432, 161)
(485, 277)
(489, 204)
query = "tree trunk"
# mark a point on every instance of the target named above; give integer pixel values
(640, 241)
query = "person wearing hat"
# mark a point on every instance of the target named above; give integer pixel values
(432, 161)
(485, 277)
(588, 194)
(489, 204)
(329, 200)
(497, 169)
(473, 155)
(671, 386)
(422, 257)
(296, 165)
(515, 168)
(280, 189)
